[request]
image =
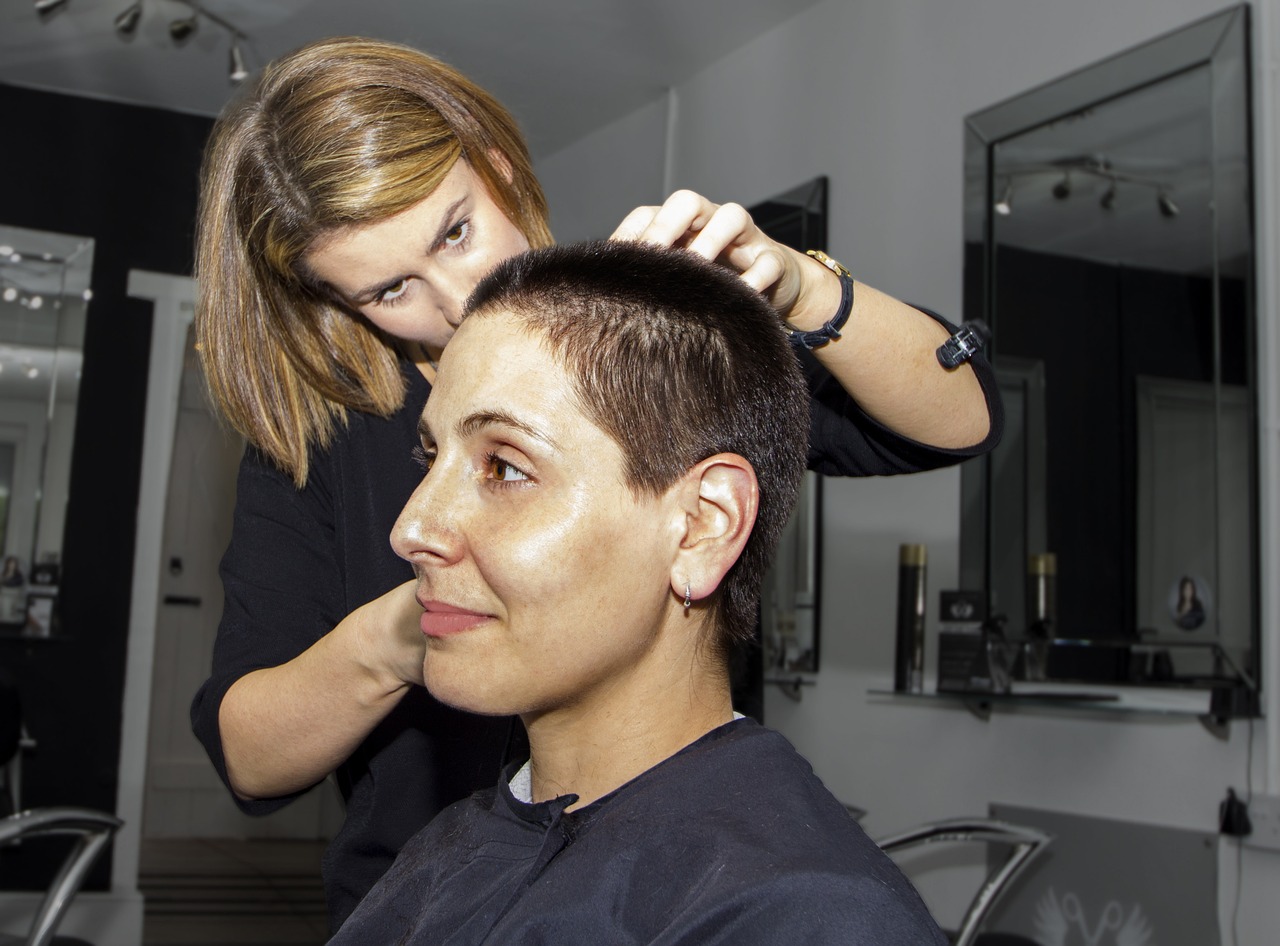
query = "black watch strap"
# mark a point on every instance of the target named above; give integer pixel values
(831, 328)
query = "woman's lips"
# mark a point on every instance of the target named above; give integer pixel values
(441, 620)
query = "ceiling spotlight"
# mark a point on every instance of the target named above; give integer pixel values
(33, 372)
(36, 302)
(46, 6)
(1062, 190)
(1004, 206)
(9, 294)
(1109, 197)
(127, 22)
(1167, 207)
(238, 72)
(181, 29)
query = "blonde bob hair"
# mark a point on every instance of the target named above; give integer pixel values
(343, 132)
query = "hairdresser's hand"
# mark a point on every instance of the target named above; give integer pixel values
(389, 636)
(804, 292)
(284, 728)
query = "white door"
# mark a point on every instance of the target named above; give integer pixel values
(183, 795)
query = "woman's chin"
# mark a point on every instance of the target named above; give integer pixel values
(479, 699)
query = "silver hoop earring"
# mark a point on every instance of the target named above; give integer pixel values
(688, 597)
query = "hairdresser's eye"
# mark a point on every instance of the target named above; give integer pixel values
(501, 471)
(458, 235)
(393, 293)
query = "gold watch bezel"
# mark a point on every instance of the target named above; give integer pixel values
(836, 267)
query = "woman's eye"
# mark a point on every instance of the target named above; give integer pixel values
(502, 471)
(458, 235)
(393, 293)
(424, 457)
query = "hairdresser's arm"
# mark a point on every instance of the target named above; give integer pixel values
(886, 358)
(285, 728)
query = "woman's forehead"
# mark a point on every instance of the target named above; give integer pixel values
(497, 364)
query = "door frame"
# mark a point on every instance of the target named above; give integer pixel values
(173, 301)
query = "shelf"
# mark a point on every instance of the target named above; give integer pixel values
(10, 635)
(1185, 702)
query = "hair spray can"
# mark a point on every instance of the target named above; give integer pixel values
(908, 664)
(1042, 613)
(1042, 596)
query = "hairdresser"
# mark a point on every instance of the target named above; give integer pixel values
(350, 201)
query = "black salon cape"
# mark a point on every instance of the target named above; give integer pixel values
(300, 560)
(733, 840)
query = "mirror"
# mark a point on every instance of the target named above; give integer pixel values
(44, 298)
(1109, 247)
(790, 594)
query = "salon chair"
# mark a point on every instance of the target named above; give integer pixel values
(1023, 844)
(92, 830)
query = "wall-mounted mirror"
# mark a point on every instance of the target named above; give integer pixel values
(791, 594)
(44, 297)
(1109, 246)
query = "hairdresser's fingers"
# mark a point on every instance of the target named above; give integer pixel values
(777, 272)
(634, 224)
(769, 273)
(675, 223)
(732, 238)
(723, 232)
(727, 229)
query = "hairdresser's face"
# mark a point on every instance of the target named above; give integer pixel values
(410, 274)
(545, 580)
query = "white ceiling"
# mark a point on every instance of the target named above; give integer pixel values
(564, 67)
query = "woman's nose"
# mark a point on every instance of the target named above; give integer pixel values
(451, 289)
(423, 533)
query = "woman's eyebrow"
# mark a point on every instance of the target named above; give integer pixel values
(475, 422)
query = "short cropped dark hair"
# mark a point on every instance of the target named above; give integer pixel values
(676, 359)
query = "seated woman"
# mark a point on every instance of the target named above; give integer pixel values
(613, 442)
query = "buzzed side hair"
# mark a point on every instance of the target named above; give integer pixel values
(676, 359)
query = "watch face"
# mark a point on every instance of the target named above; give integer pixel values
(837, 268)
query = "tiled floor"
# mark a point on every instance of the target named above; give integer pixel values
(232, 893)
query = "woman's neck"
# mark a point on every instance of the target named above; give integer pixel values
(423, 358)
(594, 747)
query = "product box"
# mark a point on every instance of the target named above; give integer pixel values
(962, 657)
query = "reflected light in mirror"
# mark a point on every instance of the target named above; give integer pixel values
(43, 306)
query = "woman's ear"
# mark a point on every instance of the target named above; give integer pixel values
(720, 497)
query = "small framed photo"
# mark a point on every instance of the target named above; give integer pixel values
(40, 615)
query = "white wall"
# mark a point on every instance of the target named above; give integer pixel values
(873, 95)
(612, 170)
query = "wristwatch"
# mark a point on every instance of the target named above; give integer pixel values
(831, 329)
